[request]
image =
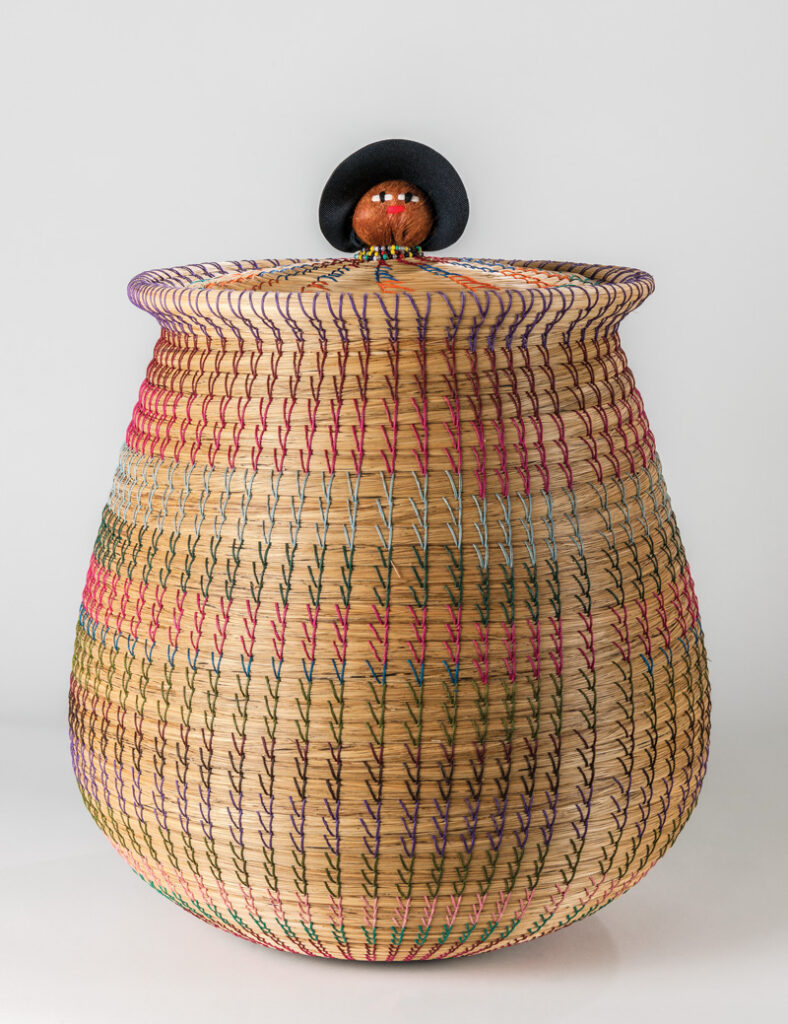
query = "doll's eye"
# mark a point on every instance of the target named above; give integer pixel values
(407, 197)
(382, 197)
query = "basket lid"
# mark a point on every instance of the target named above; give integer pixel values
(415, 274)
(241, 294)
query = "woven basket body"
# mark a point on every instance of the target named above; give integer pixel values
(389, 648)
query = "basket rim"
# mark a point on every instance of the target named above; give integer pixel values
(176, 291)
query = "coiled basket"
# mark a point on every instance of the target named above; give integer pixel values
(389, 648)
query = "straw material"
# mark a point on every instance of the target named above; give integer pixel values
(389, 647)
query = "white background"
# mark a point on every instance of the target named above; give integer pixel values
(643, 134)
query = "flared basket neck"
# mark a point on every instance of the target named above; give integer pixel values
(259, 297)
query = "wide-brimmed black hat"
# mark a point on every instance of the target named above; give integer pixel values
(391, 159)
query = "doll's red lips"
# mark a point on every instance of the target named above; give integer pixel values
(396, 208)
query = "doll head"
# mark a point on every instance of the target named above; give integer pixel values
(393, 212)
(393, 193)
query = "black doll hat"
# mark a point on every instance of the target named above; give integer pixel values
(391, 159)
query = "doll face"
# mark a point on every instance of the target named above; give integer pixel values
(393, 212)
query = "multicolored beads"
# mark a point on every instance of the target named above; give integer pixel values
(387, 252)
